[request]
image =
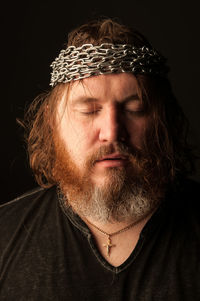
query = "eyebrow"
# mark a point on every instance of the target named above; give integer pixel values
(132, 97)
(83, 99)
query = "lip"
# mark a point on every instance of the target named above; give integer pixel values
(116, 156)
(113, 160)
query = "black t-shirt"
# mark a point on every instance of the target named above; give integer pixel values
(48, 253)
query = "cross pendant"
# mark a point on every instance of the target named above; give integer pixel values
(108, 245)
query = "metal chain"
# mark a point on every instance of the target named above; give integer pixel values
(114, 233)
(76, 63)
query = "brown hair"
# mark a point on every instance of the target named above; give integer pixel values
(166, 137)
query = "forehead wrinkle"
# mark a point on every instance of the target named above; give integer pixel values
(87, 100)
(84, 93)
(132, 97)
(91, 90)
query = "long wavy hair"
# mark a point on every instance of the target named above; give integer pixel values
(166, 138)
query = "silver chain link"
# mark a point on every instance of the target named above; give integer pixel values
(75, 63)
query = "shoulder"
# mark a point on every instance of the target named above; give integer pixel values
(28, 198)
(187, 191)
(25, 209)
(25, 196)
(184, 204)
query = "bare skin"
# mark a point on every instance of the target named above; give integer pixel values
(122, 245)
(106, 108)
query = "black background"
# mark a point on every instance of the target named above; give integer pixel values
(33, 33)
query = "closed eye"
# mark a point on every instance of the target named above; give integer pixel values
(89, 109)
(90, 112)
(136, 112)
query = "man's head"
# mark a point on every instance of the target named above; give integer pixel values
(112, 142)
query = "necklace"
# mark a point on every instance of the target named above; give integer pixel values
(109, 244)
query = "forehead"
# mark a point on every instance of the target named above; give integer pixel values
(104, 87)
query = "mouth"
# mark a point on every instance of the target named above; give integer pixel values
(113, 160)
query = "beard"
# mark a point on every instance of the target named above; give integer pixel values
(127, 194)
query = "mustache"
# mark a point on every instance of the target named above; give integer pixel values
(118, 147)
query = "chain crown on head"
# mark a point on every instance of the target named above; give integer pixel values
(75, 63)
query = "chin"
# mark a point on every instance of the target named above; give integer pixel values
(108, 177)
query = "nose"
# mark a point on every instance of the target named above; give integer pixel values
(112, 127)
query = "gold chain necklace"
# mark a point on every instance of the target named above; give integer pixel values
(109, 244)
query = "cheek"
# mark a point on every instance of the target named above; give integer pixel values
(79, 137)
(137, 131)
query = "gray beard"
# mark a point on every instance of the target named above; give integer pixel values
(118, 200)
(132, 208)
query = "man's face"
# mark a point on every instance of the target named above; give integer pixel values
(100, 112)
(101, 166)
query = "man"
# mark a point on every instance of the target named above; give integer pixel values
(116, 218)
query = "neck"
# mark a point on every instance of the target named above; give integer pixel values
(112, 225)
(116, 240)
